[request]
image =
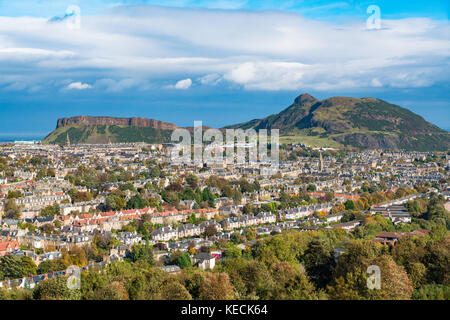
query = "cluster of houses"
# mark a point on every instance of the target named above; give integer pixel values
(190, 230)
(29, 202)
(116, 219)
(304, 211)
(32, 280)
(392, 237)
(395, 210)
(248, 221)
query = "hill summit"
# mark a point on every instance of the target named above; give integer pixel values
(361, 123)
(98, 130)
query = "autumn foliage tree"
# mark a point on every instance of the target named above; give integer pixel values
(216, 286)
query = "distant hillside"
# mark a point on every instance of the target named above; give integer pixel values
(97, 130)
(361, 123)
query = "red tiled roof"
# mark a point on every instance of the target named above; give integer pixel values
(12, 245)
(420, 232)
(389, 235)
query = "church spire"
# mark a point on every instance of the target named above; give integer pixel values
(321, 163)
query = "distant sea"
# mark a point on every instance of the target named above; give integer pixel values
(16, 138)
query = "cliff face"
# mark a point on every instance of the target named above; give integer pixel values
(110, 121)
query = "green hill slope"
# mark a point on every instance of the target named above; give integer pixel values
(103, 134)
(361, 123)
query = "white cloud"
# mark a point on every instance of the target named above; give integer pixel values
(211, 79)
(376, 83)
(267, 75)
(128, 47)
(78, 86)
(112, 85)
(183, 84)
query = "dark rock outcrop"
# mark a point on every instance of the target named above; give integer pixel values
(110, 121)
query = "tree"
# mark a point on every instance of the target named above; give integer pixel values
(356, 252)
(51, 172)
(51, 211)
(189, 194)
(329, 196)
(192, 180)
(432, 292)
(227, 191)
(250, 234)
(233, 251)
(237, 197)
(82, 196)
(249, 209)
(141, 252)
(287, 246)
(184, 260)
(216, 286)
(193, 219)
(12, 267)
(114, 202)
(291, 284)
(155, 172)
(344, 289)
(417, 273)
(437, 261)
(171, 197)
(47, 228)
(173, 290)
(210, 230)
(349, 205)
(192, 282)
(137, 202)
(395, 283)
(58, 224)
(14, 194)
(319, 262)
(256, 279)
(29, 267)
(55, 289)
(127, 186)
(409, 250)
(76, 256)
(12, 210)
(207, 195)
(51, 265)
(112, 291)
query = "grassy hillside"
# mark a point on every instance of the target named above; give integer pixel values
(361, 123)
(105, 134)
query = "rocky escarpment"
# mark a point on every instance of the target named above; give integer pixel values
(110, 121)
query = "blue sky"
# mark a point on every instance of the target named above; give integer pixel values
(221, 61)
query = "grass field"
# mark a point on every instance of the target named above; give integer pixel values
(313, 141)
